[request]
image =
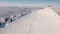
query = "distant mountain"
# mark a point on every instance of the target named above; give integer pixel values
(9, 10)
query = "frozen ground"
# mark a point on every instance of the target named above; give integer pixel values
(37, 22)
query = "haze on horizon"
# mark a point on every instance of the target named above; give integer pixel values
(30, 2)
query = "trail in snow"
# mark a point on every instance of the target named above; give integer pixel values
(29, 31)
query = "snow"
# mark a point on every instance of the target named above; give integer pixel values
(49, 11)
(43, 21)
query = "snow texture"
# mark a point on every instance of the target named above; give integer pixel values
(43, 21)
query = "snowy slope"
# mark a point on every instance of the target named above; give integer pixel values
(49, 11)
(19, 27)
(45, 22)
(38, 22)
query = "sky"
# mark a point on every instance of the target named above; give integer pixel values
(30, 2)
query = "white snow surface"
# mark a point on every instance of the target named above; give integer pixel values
(43, 21)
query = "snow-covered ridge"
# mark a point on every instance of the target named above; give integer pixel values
(12, 17)
(48, 11)
(13, 13)
(6, 20)
(37, 22)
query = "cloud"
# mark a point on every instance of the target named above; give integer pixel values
(19, 4)
(28, 1)
(37, 3)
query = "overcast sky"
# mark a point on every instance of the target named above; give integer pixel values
(30, 2)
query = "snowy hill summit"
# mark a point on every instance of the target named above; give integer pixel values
(48, 11)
